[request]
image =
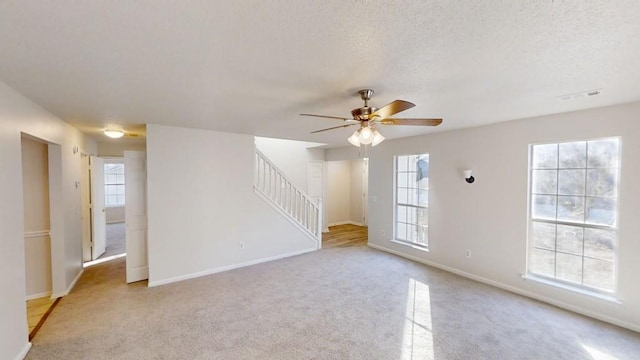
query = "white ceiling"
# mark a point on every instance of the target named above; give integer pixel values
(253, 66)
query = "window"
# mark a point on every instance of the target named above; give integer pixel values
(114, 184)
(412, 199)
(573, 217)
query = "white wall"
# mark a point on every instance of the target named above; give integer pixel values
(35, 192)
(116, 148)
(290, 156)
(115, 214)
(489, 217)
(202, 206)
(19, 114)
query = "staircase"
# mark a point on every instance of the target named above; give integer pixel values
(276, 189)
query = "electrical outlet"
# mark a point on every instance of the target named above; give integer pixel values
(374, 198)
(467, 253)
(383, 233)
(241, 245)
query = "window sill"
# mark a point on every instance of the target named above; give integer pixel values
(573, 289)
(417, 247)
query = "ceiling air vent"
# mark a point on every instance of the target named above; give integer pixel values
(579, 95)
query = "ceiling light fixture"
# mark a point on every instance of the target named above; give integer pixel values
(113, 133)
(365, 136)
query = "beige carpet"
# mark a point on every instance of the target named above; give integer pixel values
(339, 303)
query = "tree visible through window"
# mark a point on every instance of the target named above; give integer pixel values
(573, 214)
(412, 199)
(114, 184)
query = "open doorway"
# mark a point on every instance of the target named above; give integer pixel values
(103, 194)
(37, 231)
(346, 202)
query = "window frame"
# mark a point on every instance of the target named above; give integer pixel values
(614, 227)
(396, 204)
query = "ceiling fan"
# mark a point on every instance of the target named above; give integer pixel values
(369, 117)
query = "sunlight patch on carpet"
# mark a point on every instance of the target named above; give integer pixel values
(597, 354)
(100, 261)
(417, 340)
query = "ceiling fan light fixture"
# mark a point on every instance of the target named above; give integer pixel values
(353, 139)
(377, 138)
(114, 133)
(365, 135)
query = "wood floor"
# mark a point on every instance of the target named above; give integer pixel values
(37, 312)
(345, 236)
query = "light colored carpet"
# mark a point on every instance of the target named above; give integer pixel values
(115, 240)
(338, 303)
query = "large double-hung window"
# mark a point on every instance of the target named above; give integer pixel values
(573, 212)
(412, 199)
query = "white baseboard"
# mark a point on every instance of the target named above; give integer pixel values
(22, 354)
(227, 268)
(38, 295)
(512, 289)
(69, 288)
(349, 222)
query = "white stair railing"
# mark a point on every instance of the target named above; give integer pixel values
(298, 207)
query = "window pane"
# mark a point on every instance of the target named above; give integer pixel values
(423, 183)
(413, 163)
(570, 239)
(599, 274)
(423, 218)
(402, 179)
(569, 267)
(602, 182)
(601, 211)
(573, 155)
(600, 243)
(571, 208)
(545, 156)
(401, 215)
(411, 233)
(544, 207)
(421, 236)
(402, 196)
(542, 262)
(402, 163)
(423, 197)
(422, 167)
(412, 214)
(543, 235)
(544, 181)
(602, 153)
(401, 231)
(571, 182)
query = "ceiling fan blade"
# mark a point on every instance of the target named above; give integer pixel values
(328, 117)
(415, 122)
(391, 108)
(331, 128)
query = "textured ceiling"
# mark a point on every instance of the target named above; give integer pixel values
(253, 66)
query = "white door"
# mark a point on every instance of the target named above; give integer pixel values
(85, 195)
(135, 215)
(98, 215)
